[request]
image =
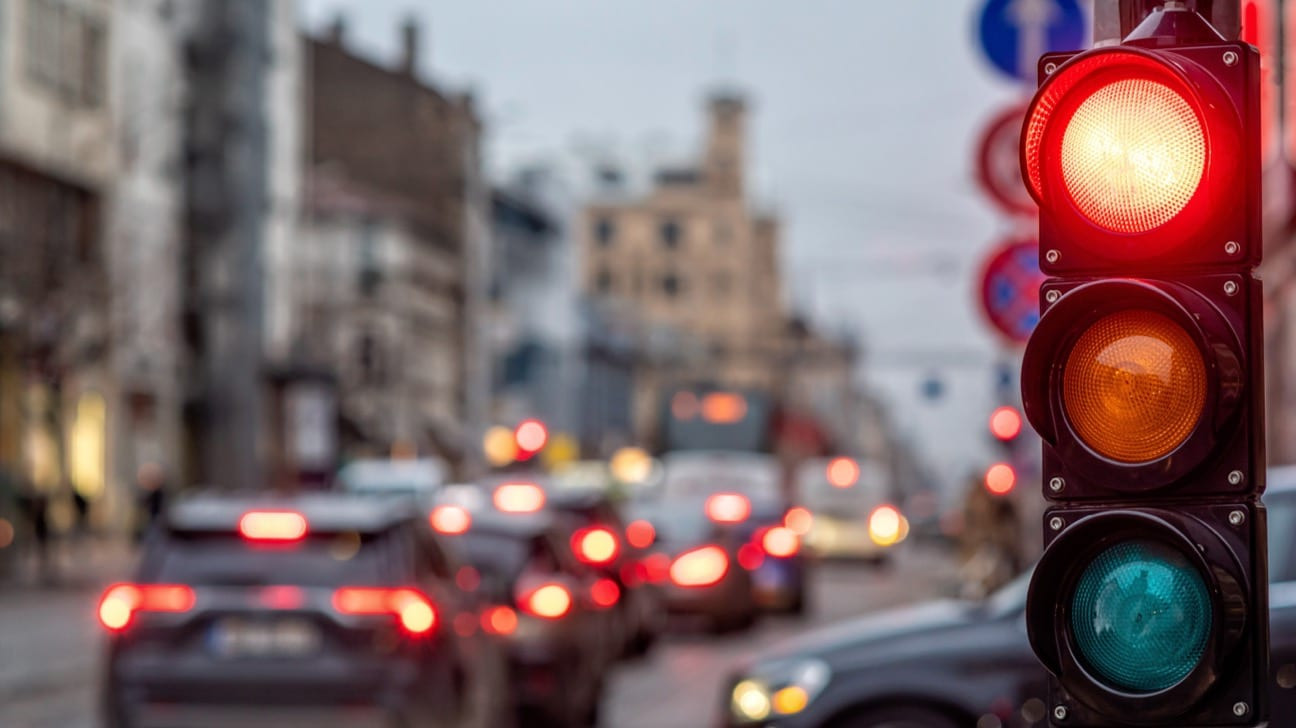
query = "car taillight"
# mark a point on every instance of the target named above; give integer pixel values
(605, 593)
(120, 602)
(780, 542)
(272, 526)
(640, 534)
(413, 610)
(499, 621)
(728, 507)
(550, 601)
(596, 546)
(799, 520)
(450, 520)
(656, 567)
(703, 566)
(750, 556)
(519, 498)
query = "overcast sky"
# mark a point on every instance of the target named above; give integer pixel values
(865, 114)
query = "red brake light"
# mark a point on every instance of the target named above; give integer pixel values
(450, 520)
(282, 597)
(605, 593)
(519, 498)
(750, 556)
(843, 472)
(120, 602)
(531, 437)
(272, 526)
(596, 546)
(780, 542)
(656, 567)
(703, 566)
(640, 534)
(728, 507)
(799, 520)
(1005, 423)
(413, 610)
(499, 620)
(550, 601)
(1000, 478)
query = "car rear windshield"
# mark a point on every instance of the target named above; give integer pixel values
(495, 553)
(228, 560)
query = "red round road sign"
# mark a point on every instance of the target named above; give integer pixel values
(1010, 283)
(999, 163)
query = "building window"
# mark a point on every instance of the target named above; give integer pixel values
(65, 51)
(671, 284)
(670, 233)
(604, 232)
(722, 284)
(603, 281)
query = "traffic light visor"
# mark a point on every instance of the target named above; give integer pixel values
(1134, 386)
(1141, 616)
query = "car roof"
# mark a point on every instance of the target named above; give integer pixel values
(511, 524)
(324, 512)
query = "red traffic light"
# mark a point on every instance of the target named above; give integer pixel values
(1005, 423)
(1000, 478)
(1133, 155)
(531, 436)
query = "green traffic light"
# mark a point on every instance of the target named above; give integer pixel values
(1140, 616)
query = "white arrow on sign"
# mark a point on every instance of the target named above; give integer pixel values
(1032, 18)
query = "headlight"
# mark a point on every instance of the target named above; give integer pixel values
(783, 688)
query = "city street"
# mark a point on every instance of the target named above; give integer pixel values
(49, 649)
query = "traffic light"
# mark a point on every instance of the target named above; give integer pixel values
(1144, 380)
(531, 437)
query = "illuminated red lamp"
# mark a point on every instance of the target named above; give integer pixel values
(519, 498)
(531, 436)
(450, 520)
(596, 546)
(843, 472)
(1129, 152)
(412, 610)
(640, 533)
(271, 526)
(1000, 478)
(1005, 423)
(605, 593)
(120, 602)
(728, 507)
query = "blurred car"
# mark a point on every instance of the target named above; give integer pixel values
(742, 492)
(840, 496)
(947, 664)
(393, 476)
(545, 606)
(698, 564)
(601, 539)
(318, 610)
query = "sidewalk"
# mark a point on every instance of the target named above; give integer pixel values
(50, 640)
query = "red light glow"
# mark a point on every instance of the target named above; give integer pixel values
(750, 556)
(450, 520)
(799, 520)
(411, 609)
(1000, 478)
(597, 546)
(843, 472)
(605, 593)
(519, 498)
(120, 602)
(728, 508)
(499, 621)
(551, 601)
(640, 534)
(282, 597)
(531, 436)
(272, 526)
(700, 567)
(781, 542)
(1005, 423)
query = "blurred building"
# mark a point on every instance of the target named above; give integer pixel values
(532, 321)
(388, 280)
(692, 267)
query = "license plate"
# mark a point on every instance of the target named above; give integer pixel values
(235, 637)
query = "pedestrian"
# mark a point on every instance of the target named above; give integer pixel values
(150, 495)
(34, 505)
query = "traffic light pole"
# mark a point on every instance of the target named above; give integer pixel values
(1114, 19)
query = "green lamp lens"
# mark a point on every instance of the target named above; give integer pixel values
(1141, 616)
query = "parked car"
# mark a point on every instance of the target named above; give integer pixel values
(303, 610)
(547, 608)
(947, 664)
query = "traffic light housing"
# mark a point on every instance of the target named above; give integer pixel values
(1144, 380)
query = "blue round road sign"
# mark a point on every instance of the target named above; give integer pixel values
(1010, 284)
(1015, 33)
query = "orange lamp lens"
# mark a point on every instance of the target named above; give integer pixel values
(1134, 386)
(1133, 155)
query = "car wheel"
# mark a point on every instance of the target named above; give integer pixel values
(900, 716)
